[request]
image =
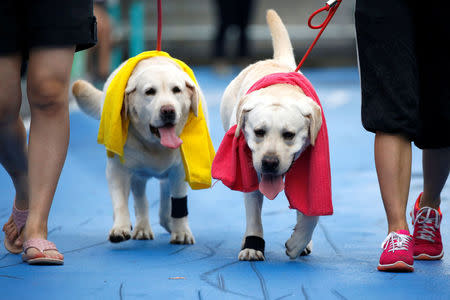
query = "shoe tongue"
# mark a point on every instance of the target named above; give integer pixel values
(270, 186)
(169, 137)
(433, 213)
(428, 212)
(403, 232)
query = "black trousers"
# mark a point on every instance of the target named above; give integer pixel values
(403, 65)
(27, 24)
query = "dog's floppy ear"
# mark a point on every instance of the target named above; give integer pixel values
(244, 106)
(131, 84)
(125, 106)
(194, 95)
(130, 88)
(312, 111)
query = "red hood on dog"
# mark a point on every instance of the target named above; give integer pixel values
(307, 183)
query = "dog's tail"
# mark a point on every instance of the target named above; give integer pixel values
(88, 97)
(282, 47)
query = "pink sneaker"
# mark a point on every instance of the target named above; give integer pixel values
(427, 233)
(397, 253)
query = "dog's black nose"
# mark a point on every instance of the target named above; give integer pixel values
(167, 113)
(270, 163)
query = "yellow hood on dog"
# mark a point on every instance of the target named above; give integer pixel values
(197, 150)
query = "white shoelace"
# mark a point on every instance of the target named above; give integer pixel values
(426, 231)
(396, 241)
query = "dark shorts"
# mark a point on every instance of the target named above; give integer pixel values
(27, 24)
(403, 68)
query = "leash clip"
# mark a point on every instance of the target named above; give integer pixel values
(331, 3)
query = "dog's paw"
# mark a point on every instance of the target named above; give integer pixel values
(143, 232)
(120, 234)
(295, 249)
(181, 233)
(250, 255)
(183, 237)
(307, 250)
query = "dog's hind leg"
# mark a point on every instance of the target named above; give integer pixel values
(119, 187)
(253, 243)
(142, 230)
(300, 241)
(165, 205)
(180, 231)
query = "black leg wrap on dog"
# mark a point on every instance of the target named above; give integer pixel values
(179, 207)
(254, 242)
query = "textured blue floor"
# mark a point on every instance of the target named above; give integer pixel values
(346, 245)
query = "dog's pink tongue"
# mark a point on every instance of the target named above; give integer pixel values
(169, 138)
(270, 186)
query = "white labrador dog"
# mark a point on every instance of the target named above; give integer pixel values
(158, 98)
(279, 122)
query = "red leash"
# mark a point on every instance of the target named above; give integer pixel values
(158, 40)
(331, 6)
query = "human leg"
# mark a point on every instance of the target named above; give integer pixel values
(393, 164)
(48, 85)
(222, 24)
(390, 108)
(104, 41)
(244, 14)
(436, 167)
(426, 215)
(13, 150)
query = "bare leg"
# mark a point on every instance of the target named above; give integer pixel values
(436, 166)
(13, 149)
(393, 164)
(48, 88)
(103, 47)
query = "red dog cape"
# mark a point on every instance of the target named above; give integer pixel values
(308, 181)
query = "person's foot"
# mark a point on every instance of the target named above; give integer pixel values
(427, 234)
(397, 253)
(39, 251)
(13, 230)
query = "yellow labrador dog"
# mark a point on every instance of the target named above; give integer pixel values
(278, 122)
(158, 98)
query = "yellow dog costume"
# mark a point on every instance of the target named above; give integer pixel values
(197, 151)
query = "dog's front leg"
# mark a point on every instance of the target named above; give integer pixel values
(142, 230)
(165, 205)
(180, 231)
(119, 187)
(300, 241)
(253, 243)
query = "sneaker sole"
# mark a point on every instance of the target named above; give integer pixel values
(424, 256)
(398, 266)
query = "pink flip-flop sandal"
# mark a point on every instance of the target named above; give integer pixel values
(41, 258)
(19, 219)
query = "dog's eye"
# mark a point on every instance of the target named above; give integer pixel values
(176, 90)
(288, 135)
(260, 132)
(150, 92)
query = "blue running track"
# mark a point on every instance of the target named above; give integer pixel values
(346, 245)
